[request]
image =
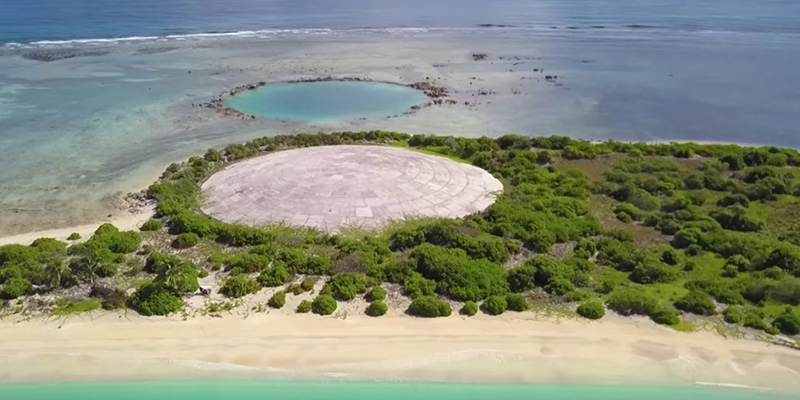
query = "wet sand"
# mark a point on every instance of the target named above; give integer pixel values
(512, 348)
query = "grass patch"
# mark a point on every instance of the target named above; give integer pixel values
(551, 309)
(683, 326)
(645, 236)
(594, 169)
(706, 266)
(779, 217)
(67, 307)
(665, 291)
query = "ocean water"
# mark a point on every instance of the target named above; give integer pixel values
(324, 101)
(24, 21)
(97, 97)
(270, 390)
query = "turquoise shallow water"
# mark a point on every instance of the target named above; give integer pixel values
(286, 390)
(327, 101)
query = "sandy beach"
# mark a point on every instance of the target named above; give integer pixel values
(511, 349)
(126, 221)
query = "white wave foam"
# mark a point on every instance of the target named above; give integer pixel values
(733, 386)
(210, 35)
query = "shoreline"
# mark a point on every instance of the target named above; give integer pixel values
(128, 221)
(516, 348)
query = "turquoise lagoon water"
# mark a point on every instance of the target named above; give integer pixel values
(325, 101)
(291, 390)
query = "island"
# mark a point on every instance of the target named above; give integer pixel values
(634, 244)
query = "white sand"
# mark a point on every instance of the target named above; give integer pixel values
(510, 348)
(125, 222)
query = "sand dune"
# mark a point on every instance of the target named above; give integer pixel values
(512, 349)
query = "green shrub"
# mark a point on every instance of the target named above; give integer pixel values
(578, 295)
(202, 274)
(278, 300)
(49, 245)
(16, 287)
(591, 309)
(494, 305)
(664, 315)
(304, 307)
(516, 302)
(114, 240)
(239, 286)
(323, 305)
(696, 302)
(559, 286)
(733, 315)
(185, 241)
(788, 323)
(458, 276)
(469, 308)
(670, 257)
(414, 285)
(376, 293)
(754, 320)
(173, 273)
(585, 248)
(151, 299)
(786, 291)
(653, 272)
(74, 236)
(429, 307)
(520, 279)
(249, 263)
(296, 289)
(785, 257)
(376, 308)
(308, 285)
(274, 277)
(152, 225)
(629, 301)
(347, 285)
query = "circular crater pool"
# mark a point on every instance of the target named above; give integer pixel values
(327, 100)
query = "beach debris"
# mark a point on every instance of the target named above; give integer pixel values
(479, 56)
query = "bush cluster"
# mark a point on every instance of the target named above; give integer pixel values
(376, 308)
(469, 308)
(278, 300)
(591, 309)
(494, 305)
(304, 307)
(323, 305)
(152, 225)
(185, 240)
(376, 293)
(429, 307)
(237, 286)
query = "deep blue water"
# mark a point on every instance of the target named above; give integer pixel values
(24, 21)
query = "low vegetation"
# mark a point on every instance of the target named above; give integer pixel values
(469, 309)
(324, 304)
(376, 308)
(659, 230)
